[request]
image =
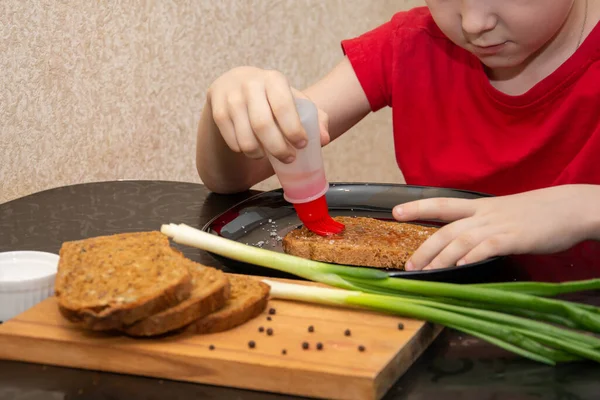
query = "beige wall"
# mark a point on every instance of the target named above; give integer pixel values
(95, 90)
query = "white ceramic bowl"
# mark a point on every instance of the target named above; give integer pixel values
(26, 278)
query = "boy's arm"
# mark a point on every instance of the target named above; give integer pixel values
(339, 94)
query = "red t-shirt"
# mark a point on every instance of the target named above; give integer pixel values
(453, 129)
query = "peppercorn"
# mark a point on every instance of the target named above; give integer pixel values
(251, 344)
(284, 352)
(272, 311)
(361, 348)
(211, 347)
(268, 318)
(400, 325)
(261, 329)
(311, 328)
(319, 346)
(305, 345)
(347, 332)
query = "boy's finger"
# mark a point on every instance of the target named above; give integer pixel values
(222, 118)
(443, 209)
(322, 115)
(247, 142)
(458, 248)
(265, 128)
(443, 240)
(324, 127)
(284, 110)
(498, 245)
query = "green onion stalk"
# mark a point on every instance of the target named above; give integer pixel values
(507, 315)
(511, 320)
(543, 289)
(538, 316)
(505, 345)
(399, 306)
(582, 316)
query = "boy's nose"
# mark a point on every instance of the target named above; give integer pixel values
(477, 18)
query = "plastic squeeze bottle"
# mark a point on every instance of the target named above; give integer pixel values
(303, 181)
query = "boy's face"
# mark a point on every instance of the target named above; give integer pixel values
(501, 33)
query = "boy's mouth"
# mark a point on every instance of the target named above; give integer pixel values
(488, 49)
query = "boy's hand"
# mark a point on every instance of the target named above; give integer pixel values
(255, 112)
(540, 221)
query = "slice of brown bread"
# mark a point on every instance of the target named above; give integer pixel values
(364, 242)
(248, 299)
(211, 291)
(108, 282)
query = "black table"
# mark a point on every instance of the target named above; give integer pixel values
(454, 366)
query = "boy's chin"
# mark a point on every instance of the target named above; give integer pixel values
(501, 62)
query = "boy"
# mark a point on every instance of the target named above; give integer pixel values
(495, 96)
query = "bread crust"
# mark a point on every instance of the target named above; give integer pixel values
(117, 318)
(249, 298)
(210, 293)
(365, 242)
(108, 282)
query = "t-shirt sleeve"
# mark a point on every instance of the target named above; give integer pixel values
(371, 55)
(378, 56)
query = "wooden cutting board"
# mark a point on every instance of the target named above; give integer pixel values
(338, 371)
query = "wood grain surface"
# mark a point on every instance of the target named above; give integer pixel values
(338, 371)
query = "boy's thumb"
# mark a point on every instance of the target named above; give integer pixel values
(324, 125)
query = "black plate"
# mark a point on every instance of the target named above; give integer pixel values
(264, 219)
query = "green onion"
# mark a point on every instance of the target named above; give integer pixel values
(506, 346)
(542, 288)
(538, 316)
(514, 321)
(397, 306)
(572, 311)
(529, 314)
(507, 315)
(583, 351)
